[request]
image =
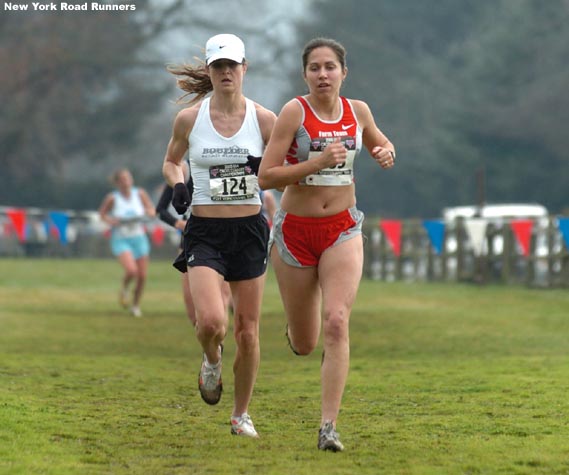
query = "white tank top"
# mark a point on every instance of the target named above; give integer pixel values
(217, 163)
(127, 209)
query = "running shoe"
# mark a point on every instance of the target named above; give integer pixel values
(136, 312)
(243, 426)
(329, 439)
(209, 381)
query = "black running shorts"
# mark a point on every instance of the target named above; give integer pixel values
(237, 248)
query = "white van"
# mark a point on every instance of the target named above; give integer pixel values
(498, 214)
(496, 211)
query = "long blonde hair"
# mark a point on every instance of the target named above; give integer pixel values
(193, 79)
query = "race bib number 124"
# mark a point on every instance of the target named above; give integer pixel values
(235, 181)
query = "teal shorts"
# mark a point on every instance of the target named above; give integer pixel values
(138, 246)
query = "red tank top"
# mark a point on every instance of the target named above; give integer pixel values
(315, 134)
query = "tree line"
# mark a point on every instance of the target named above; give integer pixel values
(473, 93)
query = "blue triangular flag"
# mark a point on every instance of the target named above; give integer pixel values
(436, 232)
(563, 224)
(60, 220)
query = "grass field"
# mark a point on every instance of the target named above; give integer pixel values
(445, 379)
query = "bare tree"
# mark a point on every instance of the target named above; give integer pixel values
(79, 90)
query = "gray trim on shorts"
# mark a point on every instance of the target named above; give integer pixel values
(277, 236)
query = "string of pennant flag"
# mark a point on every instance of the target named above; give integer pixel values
(476, 230)
(57, 225)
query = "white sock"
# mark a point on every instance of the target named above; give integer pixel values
(210, 365)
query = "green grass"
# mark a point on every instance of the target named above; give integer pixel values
(445, 379)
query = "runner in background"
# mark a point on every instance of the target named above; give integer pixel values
(168, 214)
(124, 210)
(269, 205)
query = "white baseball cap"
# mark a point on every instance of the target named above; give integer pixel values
(224, 46)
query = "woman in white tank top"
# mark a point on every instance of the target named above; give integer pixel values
(124, 210)
(226, 236)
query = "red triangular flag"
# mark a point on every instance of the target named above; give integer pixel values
(18, 219)
(392, 230)
(158, 235)
(522, 230)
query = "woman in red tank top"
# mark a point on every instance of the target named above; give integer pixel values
(317, 249)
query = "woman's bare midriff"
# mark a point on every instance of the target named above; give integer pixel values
(317, 201)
